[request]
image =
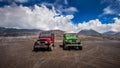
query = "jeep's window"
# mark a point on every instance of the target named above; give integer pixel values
(70, 36)
(45, 35)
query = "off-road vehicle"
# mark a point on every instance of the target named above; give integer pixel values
(45, 40)
(71, 40)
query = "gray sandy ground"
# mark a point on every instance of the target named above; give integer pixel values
(96, 53)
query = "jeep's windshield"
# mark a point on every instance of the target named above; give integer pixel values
(45, 35)
(71, 36)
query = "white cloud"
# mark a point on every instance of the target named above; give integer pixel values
(118, 0)
(70, 10)
(61, 8)
(108, 10)
(98, 26)
(116, 25)
(39, 18)
(65, 1)
(10, 1)
(46, 19)
(118, 14)
(113, 7)
(95, 25)
(61, 2)
(21, 1)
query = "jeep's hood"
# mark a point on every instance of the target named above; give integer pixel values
(45, 38)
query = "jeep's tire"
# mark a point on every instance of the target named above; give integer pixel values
(80, 47)
(77, 48)
(53, 45)
(35, 49)
(65, 48)
(50, 48)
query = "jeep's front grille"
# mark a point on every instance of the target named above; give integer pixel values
(73, 40)
(42, 41)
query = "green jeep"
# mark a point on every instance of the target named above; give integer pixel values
(71, 40)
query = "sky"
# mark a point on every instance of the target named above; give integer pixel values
(67, 15)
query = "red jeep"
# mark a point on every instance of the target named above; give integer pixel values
(45, 40)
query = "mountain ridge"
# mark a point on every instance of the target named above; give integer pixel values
(89, 32)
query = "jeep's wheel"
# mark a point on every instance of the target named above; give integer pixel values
(77, 48)
(80, 47)
(50, 48)
(64, 47)
(53, 45)
(34, 49)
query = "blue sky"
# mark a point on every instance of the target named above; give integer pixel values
(100, 11)
(86, 9)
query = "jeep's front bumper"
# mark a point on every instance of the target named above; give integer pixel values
(40, 46)
(73, 45)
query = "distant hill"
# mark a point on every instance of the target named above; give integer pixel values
(88, 32)
(110, 33)
(23, 32)
(57, 32)
(17, 32)
(117, 34)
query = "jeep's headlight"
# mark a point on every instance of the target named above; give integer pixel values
(78, 40)
(37, 42)
(46, 42)
(70, 40)
(66, 40)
